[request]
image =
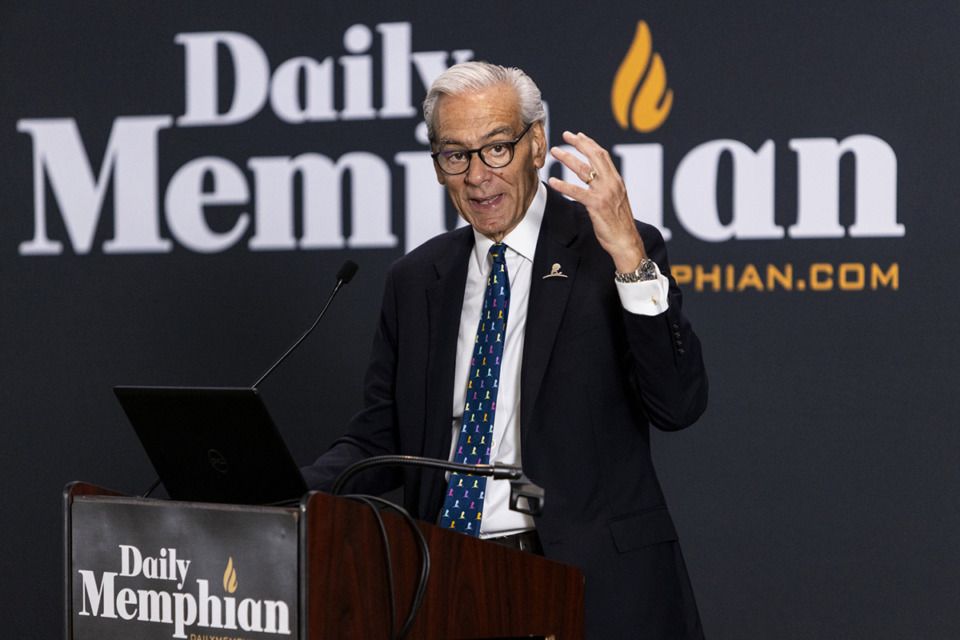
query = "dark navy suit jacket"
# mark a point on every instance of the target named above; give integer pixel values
(593, 378)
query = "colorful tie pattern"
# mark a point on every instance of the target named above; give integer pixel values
(463, 505)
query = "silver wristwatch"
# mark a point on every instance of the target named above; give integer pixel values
(646, 271)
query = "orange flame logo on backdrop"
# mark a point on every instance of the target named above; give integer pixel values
(651, 98)
(230, 577)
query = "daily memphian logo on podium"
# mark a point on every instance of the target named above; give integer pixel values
(154, 570)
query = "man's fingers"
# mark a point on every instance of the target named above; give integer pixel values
(596, 156)
(569, 190)
(571, 161)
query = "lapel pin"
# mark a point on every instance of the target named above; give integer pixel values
(555, 272)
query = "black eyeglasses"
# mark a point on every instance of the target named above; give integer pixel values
(495, 155)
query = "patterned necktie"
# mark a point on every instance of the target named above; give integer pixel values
(463, 505)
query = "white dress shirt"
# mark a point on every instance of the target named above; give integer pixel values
(645, 298)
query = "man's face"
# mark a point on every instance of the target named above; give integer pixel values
(493, 201)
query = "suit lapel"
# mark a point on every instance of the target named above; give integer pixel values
(444, 299)
(548, 298)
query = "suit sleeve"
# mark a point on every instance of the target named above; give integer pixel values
(668, 370)
(372, 432)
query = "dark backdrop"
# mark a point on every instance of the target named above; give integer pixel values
(817, 498)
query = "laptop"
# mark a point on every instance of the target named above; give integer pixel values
(213, 444)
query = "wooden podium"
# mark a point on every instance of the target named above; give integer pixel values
(143, 582)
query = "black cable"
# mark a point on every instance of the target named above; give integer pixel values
(421, 589)
(369, 501)
(424, 569)
(153, 487)
(496, 471)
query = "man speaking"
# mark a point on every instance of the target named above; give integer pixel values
(548, 333)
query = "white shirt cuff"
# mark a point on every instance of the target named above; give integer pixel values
(647, 298)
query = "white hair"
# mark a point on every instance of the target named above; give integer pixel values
(477, 76)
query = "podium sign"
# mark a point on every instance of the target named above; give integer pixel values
(156, 570)
(152, 570)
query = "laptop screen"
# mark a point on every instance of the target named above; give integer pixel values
(213, 444)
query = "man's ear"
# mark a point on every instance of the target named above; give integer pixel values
(539, 145)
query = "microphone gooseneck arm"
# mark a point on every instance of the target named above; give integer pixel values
(498, 472)
(345, 275)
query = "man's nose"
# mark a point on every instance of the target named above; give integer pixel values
(478, 172)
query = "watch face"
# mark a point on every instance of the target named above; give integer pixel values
(647, 270)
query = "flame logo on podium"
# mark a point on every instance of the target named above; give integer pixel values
(230, 577)
(641, 102)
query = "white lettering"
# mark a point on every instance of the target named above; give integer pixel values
(322, 179)
(131, 561)
(317, 103)
(278, 617)
(230, 613)
(210, 607)
(348, 202)
(695, 192)
(178, 609)
(641, 166)
(395, 61)
(151, 569)
(130, 159)
(430, 64)
(185, 612)
(125, 598)
(186, 199)
(818, 188)
(155, 606)
(97, 594)
(182, 567)
(249, 615)
(424, 198)
(251, 77)
(357, 75)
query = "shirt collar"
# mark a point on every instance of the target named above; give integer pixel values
(523, 238)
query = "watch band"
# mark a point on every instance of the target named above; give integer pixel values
(646, 271)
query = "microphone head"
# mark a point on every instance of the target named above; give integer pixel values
(347, 271)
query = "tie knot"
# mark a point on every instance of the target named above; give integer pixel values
(497, 252)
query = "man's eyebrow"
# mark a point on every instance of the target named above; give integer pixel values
(449, 141)
(499, 132)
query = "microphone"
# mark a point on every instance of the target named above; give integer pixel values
(525, 496)
(344, 275)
